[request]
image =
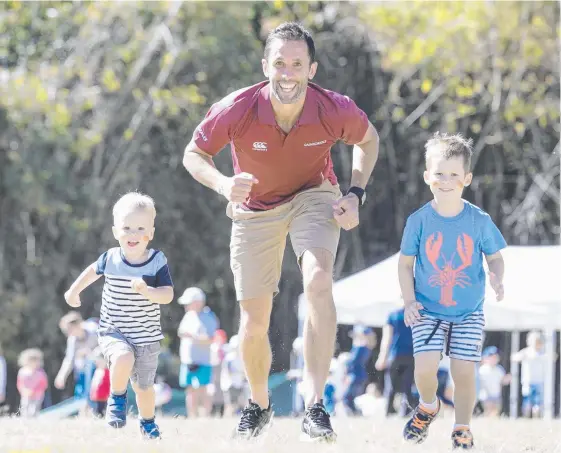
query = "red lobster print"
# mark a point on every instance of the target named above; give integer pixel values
(448, 277)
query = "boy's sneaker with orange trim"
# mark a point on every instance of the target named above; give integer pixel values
(417, 428)
(462, 438)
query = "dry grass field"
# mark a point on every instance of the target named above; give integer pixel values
(356, 435)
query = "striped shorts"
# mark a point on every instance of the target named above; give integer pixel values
(459, 340)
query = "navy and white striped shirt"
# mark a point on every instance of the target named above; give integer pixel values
(131, 313)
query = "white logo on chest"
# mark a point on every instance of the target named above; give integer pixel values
(259, 146)
(315, 143)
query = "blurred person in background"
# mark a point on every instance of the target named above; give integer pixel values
(196, 331)
(329, 399)
(233, 382)
(340, 379)
(217, 353)
(32, 382)
(80, 344)
(492, 378)
(396, 358)
(100, 388)
(371, 403)
(364, 340)
(282, 131)
(532, 376)
(296, 374)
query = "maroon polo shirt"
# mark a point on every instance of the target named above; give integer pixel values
(284, 164)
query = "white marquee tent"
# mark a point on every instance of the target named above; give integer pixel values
(532, 297)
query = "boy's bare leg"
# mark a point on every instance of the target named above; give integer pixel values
(426, 368)
(463, 373)
(120, 372)
(146, 401)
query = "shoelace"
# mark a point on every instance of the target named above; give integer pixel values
(420, 420)
(319, 416)
(463, 437)
(119, 401)
(249, 418)
(149, 427)
(117, 406)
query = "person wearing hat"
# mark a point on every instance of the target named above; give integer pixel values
(196, 331)
(364, 340)
(492, 377)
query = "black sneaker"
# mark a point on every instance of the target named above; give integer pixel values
(462, 438)
(316, 425)
(417, 428)
(253, 421)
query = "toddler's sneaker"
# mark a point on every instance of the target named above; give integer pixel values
(116, 412)
(149, 429)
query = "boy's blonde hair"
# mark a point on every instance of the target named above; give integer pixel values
(449, 146)
(131, 202)
(29, 355)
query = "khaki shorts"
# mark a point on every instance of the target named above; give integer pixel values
(259, 238)
(113, 343)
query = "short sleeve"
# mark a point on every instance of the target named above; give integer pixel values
(183, 325)
(411, 238)
(43, 383)
(100, 264)
(502, 371)
(214, 132)
(163, 275)
(354, 121)
(492, 239)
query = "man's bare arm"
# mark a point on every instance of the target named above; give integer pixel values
(236, 188)
(201, 166)
(365, 155)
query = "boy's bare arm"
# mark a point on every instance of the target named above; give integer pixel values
(162, 295)
(85, 279)
(407, 285)
(496, 273)
(406, 280)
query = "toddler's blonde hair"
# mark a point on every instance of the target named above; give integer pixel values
(131, 202)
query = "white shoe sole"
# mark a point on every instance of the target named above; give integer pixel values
(329, 439)
(258, 438)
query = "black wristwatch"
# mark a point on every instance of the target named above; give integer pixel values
(359, 193)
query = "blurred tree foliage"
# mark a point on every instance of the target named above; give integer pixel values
(97, 99)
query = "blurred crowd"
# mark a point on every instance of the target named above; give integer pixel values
(353, 388)
(209, 369)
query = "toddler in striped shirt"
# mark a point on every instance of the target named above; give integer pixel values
(137, 282)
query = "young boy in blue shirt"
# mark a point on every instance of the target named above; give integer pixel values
(442, 282)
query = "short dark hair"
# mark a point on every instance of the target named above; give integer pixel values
(449, 146)
(291, 31)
